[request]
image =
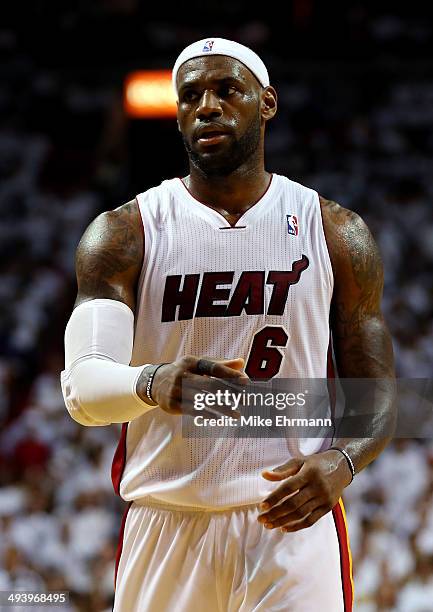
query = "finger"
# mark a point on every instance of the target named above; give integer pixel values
(237, 363)
(210, 396)
(178, 401)
(229, 368)
(173, 403)
(290, 485)
(223, 388)
(287, 506)
(284, 471)
(306, 521)
(193, 401)
(214, 391)
(291, 517)
(232, 384)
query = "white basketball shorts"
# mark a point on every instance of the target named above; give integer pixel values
(176, 559)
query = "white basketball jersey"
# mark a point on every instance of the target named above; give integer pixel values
(208, 289)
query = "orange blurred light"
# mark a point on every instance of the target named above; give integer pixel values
(149, 94)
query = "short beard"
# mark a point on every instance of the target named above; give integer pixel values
(223, 164)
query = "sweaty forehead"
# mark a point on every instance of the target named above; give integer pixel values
(213, 67)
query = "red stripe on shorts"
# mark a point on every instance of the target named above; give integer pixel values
(345, 557)
(330, 375)
(120, 542)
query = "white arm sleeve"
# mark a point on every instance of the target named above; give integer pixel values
(98, 385)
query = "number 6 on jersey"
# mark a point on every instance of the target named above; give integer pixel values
(265, 356)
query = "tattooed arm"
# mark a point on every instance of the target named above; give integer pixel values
(362, 343)
(109, 256)
(312, 485)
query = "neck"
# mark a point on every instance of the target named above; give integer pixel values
(234, 193)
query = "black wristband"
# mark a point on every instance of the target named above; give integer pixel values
(348, 459)
(150, 372)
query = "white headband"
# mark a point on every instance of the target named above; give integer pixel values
(222, 46)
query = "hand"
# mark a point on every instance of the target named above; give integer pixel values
(175, 384)
(311, 487)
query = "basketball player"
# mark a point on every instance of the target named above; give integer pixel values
(231, 272)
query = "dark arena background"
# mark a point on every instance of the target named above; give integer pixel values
(355, 120)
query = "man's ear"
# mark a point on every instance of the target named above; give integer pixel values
(177, 120)
(268, 103)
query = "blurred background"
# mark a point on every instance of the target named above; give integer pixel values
(355, 87)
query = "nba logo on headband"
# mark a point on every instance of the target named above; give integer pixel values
(208, 46)
(222, 46)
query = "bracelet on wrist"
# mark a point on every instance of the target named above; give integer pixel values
(151, 370)
(348, 459)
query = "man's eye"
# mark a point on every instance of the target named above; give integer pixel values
(189, 96)
(227, 90)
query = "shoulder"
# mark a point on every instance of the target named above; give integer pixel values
(347, 236)
(120, 224)
(339, 219)
(109, 255)
(128, 213)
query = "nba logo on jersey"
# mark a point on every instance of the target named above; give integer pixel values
(292, 225)
(208, 46)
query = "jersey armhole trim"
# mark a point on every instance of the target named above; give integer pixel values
(146, 251)
(328, 262)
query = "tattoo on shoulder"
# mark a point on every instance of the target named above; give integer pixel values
(110, 252)
(359, 270)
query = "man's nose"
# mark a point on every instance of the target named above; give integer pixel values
(209, 105)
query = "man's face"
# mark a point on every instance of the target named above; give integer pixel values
(219, 113)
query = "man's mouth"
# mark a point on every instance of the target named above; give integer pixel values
(211, 134)
(212, 138)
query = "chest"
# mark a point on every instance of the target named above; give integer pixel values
(196, 271)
